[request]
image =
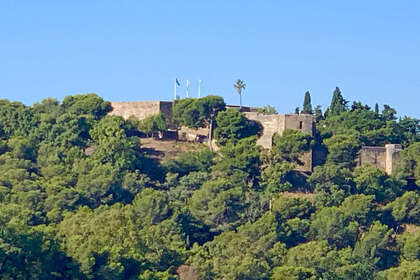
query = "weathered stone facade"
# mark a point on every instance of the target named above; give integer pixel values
(278, 123)
(142, 109)
(273, 124)
(384, 158)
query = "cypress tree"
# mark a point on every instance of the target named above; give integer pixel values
(377, 108)
(318, 113)
(307, 106)
(338, 103)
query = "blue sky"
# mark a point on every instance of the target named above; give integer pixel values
(133, 50)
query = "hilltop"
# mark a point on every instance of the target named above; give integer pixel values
(88, 194)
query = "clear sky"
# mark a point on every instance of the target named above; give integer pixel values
(132, 50)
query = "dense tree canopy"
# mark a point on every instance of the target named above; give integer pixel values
(81, 198)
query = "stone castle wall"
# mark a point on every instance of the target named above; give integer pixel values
(273, 124)
(384, 158)
(142, 109)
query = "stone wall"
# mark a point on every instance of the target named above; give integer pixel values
(384, 158)
(273, 124)
(142, 109)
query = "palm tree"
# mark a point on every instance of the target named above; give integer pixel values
(239, 85)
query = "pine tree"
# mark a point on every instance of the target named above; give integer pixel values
(377, 108)
(307, 106)
(297, 110)
(318, 113)
(338, 103)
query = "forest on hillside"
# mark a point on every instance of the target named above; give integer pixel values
(81, 199)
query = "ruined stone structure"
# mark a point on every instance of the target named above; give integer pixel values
(273, 124)
(142, 109)
(278, 123)
(384, 158)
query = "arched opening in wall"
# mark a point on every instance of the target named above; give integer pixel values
(300, 124)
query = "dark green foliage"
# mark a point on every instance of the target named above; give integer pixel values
(79, 198)
(376, 246)
(241, 161)
(153, 125)
(291, 144)
(16, 119)
(318, 113)
(331, 183)
(338, 103)
(406, 270)
(388, 113)
(188, 162)
(410, 163)
(219, 204)
(370, 180)
(198, 112)
(340, 225)
(406, 208)
(410, 245)
(83, 104)
(232, 126)
(307, 105)
(114, 145)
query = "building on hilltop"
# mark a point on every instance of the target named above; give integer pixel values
(385, 158)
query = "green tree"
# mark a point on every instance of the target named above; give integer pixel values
(150, 207)
(307, 105)
(388, 113)
(410, 245)
(114, 146)
(318, 113)
(371, 180)
(187, 162)
(153, 124)
(199, 112)
(82, 104)
(232, 126)
(293, 273)
(409, 166)
(405, 209)
(105, 242)
(338, 103)
(241, 161)
(291, 145)
(218, 204)
(331, 184)
(406, 270)
(342, 149)
(376, 246)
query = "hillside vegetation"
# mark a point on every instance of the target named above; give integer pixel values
(116, 213)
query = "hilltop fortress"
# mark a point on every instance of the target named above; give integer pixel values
(384, 158)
